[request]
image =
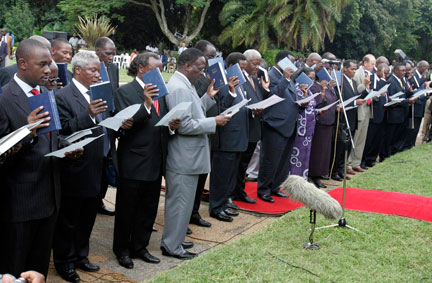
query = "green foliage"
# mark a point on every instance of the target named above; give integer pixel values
(22, 25)
(270, 55)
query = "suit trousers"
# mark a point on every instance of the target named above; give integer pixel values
(253, 167)
(341, 147)
(398, 139)
(245, 157)
(73, 229)
(386, 150)
(374, 140)
(104, 182)
(223, 178)
(136, 209)
(360, 136)
(26, 246)
(274, 160)
(179, 198)
(411, 137)
(199, 191)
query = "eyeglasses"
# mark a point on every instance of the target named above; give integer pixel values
(53, 80)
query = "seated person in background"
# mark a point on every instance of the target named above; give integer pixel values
(172, 63)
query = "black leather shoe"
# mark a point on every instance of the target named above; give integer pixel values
(246, 199)
(370, 164)
(279, 194)
(69, 275)
(232, 205)
(87, 266)
(266, 198)
(188, 231)
(200, 222)
(185, 255)
(325, 178)
(106, 211)
(222, 216)
(126, 262)
(147, 257)
(187, 245)
(231, 212)
(318, 183)
(336, 177)
(363, 166)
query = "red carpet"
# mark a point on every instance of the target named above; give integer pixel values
(280, 206)
(412, 206)
(391, 203)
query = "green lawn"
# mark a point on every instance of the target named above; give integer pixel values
(394, 249)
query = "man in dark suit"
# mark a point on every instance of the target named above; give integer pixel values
(141, 156)
(81, 179)
(349, 90)
(61, 52)
(278, 132)
(376, 130)
(105, 50)
(255, 90)
(233, 140)
(397, 114)
(201, 85)
(30, 190)
(417, 81)
(7, 73)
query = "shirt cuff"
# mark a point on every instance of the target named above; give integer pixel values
(172, 132)
(148, 109)
(93, 119)
(233, 94)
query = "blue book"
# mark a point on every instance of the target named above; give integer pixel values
(213, 61)
(235, 71)
(217, 73)
(303, 79)
(286, 62)
(103, 72)
(47, 100)
(103, 91)
(338, 77)
(154, 77)
(63, 74)
(323, 75)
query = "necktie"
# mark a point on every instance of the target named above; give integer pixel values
(251, 82)
(156, 105)
(35, 91)
(400, 82)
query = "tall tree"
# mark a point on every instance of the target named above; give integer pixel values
(194, 15)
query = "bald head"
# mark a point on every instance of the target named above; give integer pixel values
(42, 40)
(382, 59)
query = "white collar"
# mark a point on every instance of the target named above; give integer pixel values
(25, 86)
(80, 86)
(188, 81)
(418, 74)
(141, 83)
(278, 70)
(399, 80)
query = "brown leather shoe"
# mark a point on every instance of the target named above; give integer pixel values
(350, 172)
(359, 169)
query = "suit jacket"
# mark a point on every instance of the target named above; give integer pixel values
(234, 136)
(255, 96)
(113, 73)
(3, 53)
(82, 177)
(347, 93)
(397, 113)
(378, 102)
(7, 73)
(329, 117)
(282, 116)
(363, 109)
(419, 106)
(30, 188)
(189, 148)
(142, 150)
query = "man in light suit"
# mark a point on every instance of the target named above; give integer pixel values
(105, 50)
(365, 112)
(188, 150)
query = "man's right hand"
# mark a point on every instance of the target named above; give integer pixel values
(221, 120)
(33, 117)
(97, 106)
(150, 91)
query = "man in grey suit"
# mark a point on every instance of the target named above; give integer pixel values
(188, 151)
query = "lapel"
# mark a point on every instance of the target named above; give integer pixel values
(78, 96)
(21, 98)
(139, 92)
(192, 93)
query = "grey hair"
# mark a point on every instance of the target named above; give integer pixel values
(251, 54)
(82, 58)
(422, 63)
